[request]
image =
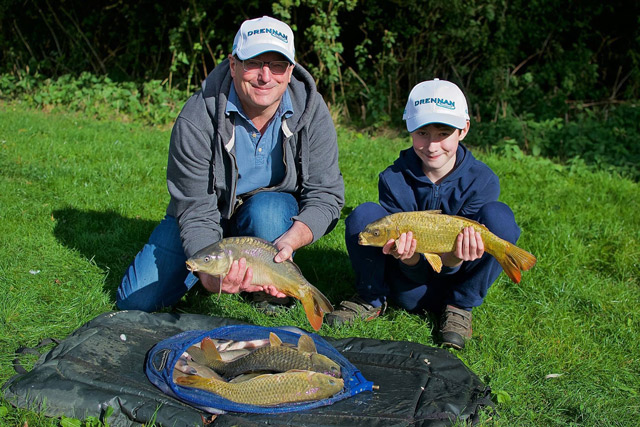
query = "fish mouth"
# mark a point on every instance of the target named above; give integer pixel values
(191, 266)
(362, 240)
(333, 373)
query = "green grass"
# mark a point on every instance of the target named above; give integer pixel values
(79, 197)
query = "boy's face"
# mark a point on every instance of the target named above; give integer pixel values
(436, 145)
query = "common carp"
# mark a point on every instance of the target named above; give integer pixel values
(270, 389)
(286, 276)
(276, 357)
(436, 233)
(186, 367)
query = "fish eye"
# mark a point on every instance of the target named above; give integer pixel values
(207, 258)
(376, 233)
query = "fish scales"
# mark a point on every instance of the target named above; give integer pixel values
(272, 359)
(277, 357)
(436, 233)
(286, 276)
(270, 389)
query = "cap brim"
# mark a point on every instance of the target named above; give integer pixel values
(418, 121)
(259, 49)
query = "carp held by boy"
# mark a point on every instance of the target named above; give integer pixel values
(436, 233)
(216, 259)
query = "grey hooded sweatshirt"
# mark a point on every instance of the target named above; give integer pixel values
(202, 173)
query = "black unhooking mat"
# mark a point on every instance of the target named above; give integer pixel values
(101, 365)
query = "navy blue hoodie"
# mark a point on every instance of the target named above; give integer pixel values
(403, 186)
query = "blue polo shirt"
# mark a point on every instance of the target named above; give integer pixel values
(259, 156)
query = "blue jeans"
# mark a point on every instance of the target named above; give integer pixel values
(158, 276)
(379, 277)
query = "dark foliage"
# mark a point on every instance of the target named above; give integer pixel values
(540, 67)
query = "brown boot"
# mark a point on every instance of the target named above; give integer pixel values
(455, 327)
(352, 309)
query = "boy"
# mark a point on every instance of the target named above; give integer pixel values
(437, 173)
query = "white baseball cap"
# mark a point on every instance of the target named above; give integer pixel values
(436, 101)
(265, 34)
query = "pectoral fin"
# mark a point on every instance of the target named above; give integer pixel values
(435, 261)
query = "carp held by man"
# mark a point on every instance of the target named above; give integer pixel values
(436, 233)
(216, 259)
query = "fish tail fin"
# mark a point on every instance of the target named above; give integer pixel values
(315, 306)
(515, 261)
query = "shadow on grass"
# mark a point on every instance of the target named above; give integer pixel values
(328, 270)
(108, 238)
(112, 241)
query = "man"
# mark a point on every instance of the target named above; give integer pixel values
(253, 153)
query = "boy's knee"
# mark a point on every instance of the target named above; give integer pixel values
(363, 215)
(499, 218)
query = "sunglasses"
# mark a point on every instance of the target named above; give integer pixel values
(276, 67)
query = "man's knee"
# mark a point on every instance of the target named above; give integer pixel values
(267, 215)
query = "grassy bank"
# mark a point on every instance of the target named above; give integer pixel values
(80, 197)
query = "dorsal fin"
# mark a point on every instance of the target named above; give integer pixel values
(210, 351)
(306, 344)
(274, 340)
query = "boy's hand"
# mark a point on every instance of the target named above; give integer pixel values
(469, 247)
(403, 248)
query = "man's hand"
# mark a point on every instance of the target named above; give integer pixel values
(237, 280)
(469, 247)
(403, 248)
(297, 236)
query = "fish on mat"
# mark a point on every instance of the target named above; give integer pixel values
(285, 276)
(270, 389)
(436, 233)
(277, 357)
(230, 345)
(198, 355)
(186, 367)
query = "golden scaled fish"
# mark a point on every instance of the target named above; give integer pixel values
(436, 233)
(286, 276)
(270, 389)
(276, 357)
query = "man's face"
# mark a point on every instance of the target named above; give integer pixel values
(260, 89)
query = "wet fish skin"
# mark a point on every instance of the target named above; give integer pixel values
(199, 356)
(276, 357)
(270, 389)
(230, 345)
(286, 276)
(185, 367)
(436, 233)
